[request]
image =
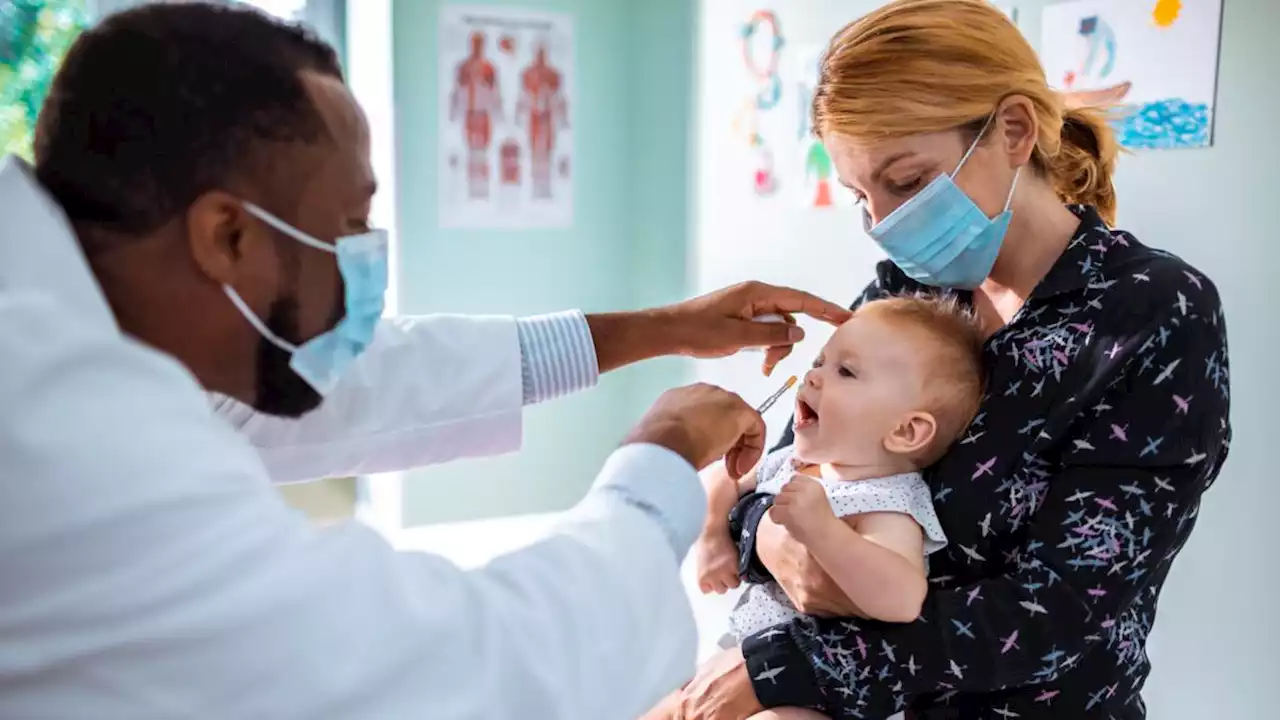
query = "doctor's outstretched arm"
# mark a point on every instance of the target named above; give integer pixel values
(436, 388)
(151, 571)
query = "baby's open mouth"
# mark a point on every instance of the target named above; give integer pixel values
(805, 414)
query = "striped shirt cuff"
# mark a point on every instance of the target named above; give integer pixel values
(557, 355)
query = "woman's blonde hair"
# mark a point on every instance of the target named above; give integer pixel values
(920, 66)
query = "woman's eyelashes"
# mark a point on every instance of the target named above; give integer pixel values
(906, 187)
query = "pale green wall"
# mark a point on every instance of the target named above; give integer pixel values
(661, 40)
(627, 247)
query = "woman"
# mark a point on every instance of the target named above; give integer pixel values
(1106, 414)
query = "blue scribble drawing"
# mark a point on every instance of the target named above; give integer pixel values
(1163, 124)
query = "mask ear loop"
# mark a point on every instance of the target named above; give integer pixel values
(257, 324)
(974, 145)
(288, 229)
(1008, 202)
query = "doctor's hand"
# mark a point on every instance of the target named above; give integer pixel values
(703, 423)
(713, 325)
(722, 323)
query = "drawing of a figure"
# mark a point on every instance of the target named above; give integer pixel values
(477, 100)
(817, 163)
(817, 168)
(543, 105)
(1098, 42)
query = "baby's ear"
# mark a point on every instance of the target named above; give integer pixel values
(912, 434)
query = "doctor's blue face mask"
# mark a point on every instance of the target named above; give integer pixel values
(362, 262)
(940, 236)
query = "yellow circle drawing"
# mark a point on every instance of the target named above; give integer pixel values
(1166, 12)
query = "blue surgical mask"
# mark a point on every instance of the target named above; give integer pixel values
(362, 260)
(940, 236)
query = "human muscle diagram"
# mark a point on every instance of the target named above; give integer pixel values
(544, 112)
(505, 135)
(476, 104)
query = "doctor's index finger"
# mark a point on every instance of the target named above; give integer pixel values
(767, 299)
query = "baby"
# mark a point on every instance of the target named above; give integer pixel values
(890, 392)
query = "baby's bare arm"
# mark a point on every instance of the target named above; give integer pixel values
(877, 559)
(714, 551)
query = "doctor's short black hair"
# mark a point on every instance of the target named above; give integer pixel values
(159, 104)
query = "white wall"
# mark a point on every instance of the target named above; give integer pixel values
(1211, 648)
(738, 237)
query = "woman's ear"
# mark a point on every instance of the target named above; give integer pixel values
(912, 434)
(1017, 129)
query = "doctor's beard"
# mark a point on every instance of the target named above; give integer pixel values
(281, 391)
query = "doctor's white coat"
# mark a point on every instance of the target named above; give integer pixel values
(148, 569)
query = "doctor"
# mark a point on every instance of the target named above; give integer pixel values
(195, 223)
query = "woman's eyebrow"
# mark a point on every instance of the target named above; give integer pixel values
(884, 164)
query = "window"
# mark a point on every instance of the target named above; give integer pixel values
(34, 35)
(324, 16)
(285, 9)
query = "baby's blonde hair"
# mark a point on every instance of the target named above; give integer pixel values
(922, 66)
(955, 382)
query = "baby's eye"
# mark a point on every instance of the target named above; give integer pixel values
(817, 362)
(846, 372)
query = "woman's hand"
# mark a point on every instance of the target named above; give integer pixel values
(721, 690)
(811, 590)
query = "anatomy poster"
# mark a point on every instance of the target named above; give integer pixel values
(505, 100)
(1154, 61)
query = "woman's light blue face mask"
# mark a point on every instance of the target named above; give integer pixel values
(940, 236)
(362, 261)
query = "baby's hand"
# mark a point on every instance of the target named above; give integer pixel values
(717, 558)
(802, 507)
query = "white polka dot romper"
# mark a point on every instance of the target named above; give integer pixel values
(765, 605)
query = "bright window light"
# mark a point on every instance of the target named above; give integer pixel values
(283, 9)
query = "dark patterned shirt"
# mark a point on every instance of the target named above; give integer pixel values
(1104, 421)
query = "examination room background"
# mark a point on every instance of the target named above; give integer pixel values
(658, 217)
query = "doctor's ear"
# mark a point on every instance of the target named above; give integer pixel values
(217, 230)
(912, 434)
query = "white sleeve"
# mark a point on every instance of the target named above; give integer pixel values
(150, 570)
(428, 390)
